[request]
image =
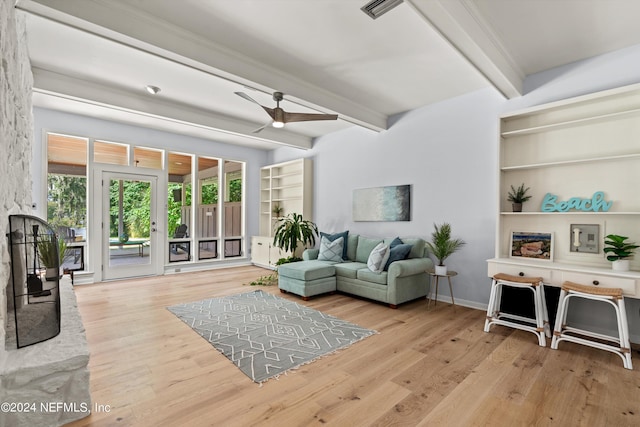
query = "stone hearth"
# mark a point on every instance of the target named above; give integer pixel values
(48, 382)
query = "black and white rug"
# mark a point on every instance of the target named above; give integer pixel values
(265, 335)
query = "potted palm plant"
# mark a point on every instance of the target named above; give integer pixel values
(517, 196)
(442, 246)
(52, 254)
(293, 230)
(618, 251)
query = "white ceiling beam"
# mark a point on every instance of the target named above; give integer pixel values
(124, 24)
(462, 25)
(225, 127)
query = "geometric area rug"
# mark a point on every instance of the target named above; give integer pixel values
(265, 335)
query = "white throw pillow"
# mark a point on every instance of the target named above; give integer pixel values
(378, 257)
(331, 251)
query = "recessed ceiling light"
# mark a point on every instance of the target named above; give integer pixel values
(152, 89)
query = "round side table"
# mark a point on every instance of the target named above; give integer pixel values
(449, 275)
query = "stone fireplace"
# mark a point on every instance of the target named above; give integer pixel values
(52, 376)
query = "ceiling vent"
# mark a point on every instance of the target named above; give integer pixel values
(377, 8)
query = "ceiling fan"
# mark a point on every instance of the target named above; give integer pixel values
(279, 117)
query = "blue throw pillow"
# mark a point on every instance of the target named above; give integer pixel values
(332, 237)
(397, 253)
(395, 242)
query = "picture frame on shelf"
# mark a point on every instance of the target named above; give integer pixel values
(536, 245)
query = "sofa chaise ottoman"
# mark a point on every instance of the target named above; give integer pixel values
(307, 278)
(403, 279)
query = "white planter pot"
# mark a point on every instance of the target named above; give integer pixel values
(620, 265)
(52, 273)
(441, 270)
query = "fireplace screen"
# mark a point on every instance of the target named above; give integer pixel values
(33, 297)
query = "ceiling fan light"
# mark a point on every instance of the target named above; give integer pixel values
(278, 116)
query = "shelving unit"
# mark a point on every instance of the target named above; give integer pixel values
(572, 148)
(288, 185)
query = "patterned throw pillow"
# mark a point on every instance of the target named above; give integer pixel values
(378, 258)
(335, 236)
(331, 250)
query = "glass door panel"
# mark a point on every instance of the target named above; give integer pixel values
(129, 225)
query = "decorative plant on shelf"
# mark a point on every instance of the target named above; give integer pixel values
(277, 210)
(517, 196)
(618, 251)
(442, 246)
(293, 230)
(50, 256)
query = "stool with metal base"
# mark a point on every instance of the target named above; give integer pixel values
(539, 325)
(613, 296)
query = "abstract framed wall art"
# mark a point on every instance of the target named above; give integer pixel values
(536, 245)
(392, 203)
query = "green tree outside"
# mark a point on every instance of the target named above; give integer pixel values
(66, 200)
(136, 202)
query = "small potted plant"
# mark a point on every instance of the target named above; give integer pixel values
(293, 229)
(618, 251)
(52, 257)
(442, 246)
(277, 211)
(517, 196)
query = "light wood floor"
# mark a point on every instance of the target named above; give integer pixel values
(431, 367)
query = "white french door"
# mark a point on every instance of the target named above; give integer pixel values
(129, 225)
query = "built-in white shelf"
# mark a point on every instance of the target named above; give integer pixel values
(572, 148)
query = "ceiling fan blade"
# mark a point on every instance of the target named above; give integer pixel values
(270, 111)
(305, 117)
(247, 97)
(263, 126)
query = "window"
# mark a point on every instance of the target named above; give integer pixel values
(67, 194)
(233, 221)
(147, 158)
(207, 209)
(111, 153)
(179, 206)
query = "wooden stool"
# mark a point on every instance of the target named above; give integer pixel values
(538, 325)
(613, 296)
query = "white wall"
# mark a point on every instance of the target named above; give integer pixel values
(448, 151)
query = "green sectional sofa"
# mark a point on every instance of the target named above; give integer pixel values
(404, 279)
